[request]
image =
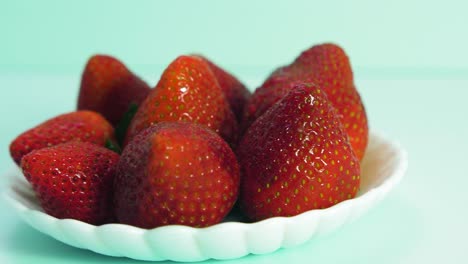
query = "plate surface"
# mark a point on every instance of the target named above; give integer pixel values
(383, 166)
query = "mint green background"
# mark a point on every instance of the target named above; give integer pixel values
(60, 35)
(411, 68)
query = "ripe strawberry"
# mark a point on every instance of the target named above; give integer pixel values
(296, 157)
(73, 180)
(263, 98)
(175, 173)
(235, 92)
(187, 91)
(85, 126)
(108, 87)
(328, 67)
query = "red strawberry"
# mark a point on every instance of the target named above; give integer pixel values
(108, 87)
(73, 180)
(80, 125)
(263, 98)
(296, 157)
(187, 91)
(328, 67)
(235, 92)
(175, 173)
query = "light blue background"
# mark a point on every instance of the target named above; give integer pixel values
(411, 68)
(60, 35)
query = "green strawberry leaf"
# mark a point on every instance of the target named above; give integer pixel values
(122, 126)
(111, 145)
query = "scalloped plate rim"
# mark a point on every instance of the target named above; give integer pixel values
(386, 185)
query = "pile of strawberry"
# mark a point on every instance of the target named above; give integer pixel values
(187, 150)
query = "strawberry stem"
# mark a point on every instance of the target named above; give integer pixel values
(122, 126)
(111, 145)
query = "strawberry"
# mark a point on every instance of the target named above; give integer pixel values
(108, 87)
(263, 98)
(327, 66)
(73, 180)
(85, 126)
(235, 92)
(187, 91)
(175, 173)
(296, 157)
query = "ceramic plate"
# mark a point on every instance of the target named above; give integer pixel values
(383, 166)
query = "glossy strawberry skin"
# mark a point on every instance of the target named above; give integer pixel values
(235, 92)
(265, 97)
(328, 67)
(331, 67)
(84, 126)
(176, 173)
(187, 91)
(109, 87)
(73, 180)
(296, 157)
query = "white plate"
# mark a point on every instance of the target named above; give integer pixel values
(383, 167)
